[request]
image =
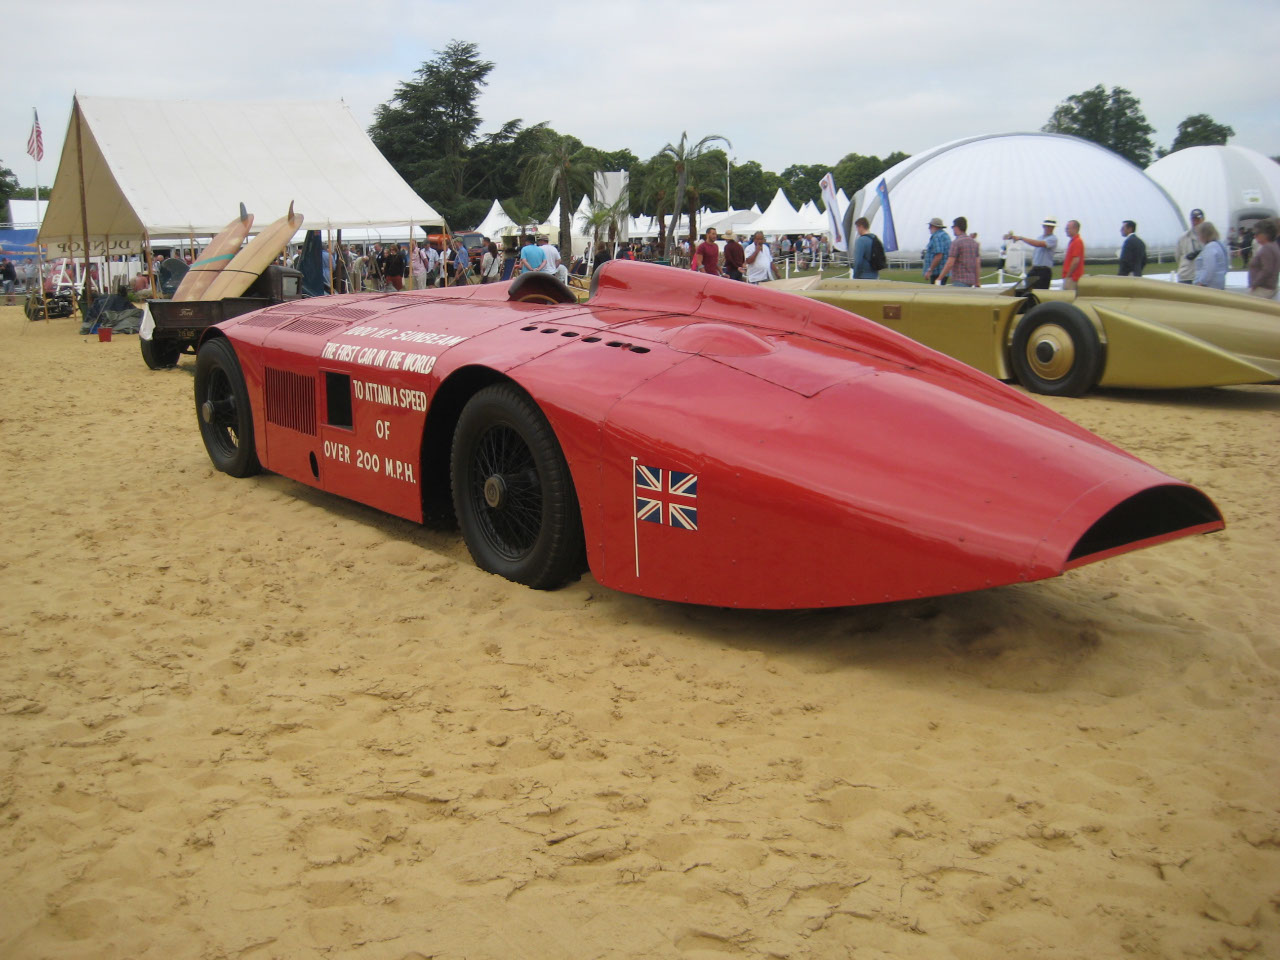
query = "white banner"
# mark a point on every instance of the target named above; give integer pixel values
(834, 218)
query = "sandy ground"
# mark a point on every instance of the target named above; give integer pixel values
(246, 719)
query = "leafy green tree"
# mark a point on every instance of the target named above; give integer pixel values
(8, 186)
(495, 161)
(706, 181)
(855, 171)
(1200, 130)
(655, 192)
(800, 182)
(690, 164)
(622, 159)
(752, 184)
(430, 122)
(25, 193)
(1113, 120)
(561, 168)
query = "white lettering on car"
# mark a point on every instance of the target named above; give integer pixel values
(422, 363)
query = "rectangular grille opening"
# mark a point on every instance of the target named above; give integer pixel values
(291, 400)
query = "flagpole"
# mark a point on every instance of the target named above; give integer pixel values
(36, 148)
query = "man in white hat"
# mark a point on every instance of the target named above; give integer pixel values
(1041, 271)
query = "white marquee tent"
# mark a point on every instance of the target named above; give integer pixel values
(1230, 184)
(780, 217)
(735, 220)
(1010, 182)
(496, 223)
(178, 169)
(816, 218)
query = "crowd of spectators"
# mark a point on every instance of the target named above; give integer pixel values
(951, 256)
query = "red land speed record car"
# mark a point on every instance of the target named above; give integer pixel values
(689, 437)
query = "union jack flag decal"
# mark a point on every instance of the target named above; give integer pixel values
(675, 504)
(665, 497)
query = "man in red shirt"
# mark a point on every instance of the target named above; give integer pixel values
(706, 257)
(1073, 263)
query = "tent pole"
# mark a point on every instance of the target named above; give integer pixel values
(150, 254)
(40, 276)
(328, 232)
(84, 206)
(413, 256)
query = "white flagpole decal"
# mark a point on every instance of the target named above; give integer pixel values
(635, 520)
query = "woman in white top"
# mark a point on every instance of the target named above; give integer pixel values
(491, 264)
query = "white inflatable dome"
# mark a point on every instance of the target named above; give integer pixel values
(1232, 185)
(1013, 181)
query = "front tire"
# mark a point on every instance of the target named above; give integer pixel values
(512, 491)
(160, 354)
(222, 409)
(1056, 351)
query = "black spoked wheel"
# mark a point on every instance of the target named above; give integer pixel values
(160, 354)
(222, 407)
(1056, 351)
(512, 491)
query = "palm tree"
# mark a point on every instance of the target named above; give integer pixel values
(656, 192)
(608, 217)
(594, 220)
(561, 168)
(684, 158)
(521, 213)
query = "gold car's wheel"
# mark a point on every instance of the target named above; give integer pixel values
(1051, 353)
(1056, 351)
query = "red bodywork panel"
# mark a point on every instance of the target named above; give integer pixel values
(729, 445)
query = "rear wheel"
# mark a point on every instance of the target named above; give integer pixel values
(512, 490)
(222, 407)
(160, 354)
(1056, 351)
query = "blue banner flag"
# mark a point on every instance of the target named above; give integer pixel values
(890, 238)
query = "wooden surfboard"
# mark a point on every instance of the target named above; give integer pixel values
(257, 255)
(220, 252)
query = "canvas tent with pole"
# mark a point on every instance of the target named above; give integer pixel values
(137, 169)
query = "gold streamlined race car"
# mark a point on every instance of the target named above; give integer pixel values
(1112, 332)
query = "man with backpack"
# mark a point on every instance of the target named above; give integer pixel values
(868, 252)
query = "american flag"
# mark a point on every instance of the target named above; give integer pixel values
(35, 142)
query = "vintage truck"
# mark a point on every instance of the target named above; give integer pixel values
(176, 327)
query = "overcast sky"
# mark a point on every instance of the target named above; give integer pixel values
(784, 82)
